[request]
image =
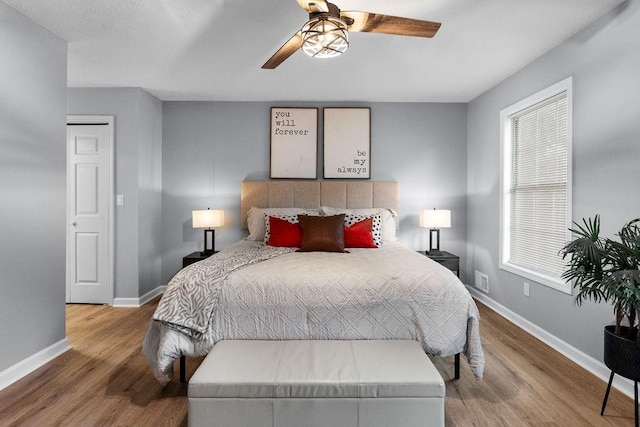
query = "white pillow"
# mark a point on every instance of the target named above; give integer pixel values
(389, 224)
(256, 221)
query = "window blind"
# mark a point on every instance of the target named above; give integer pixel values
(538, 186)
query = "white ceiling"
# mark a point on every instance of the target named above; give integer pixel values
(213, 49)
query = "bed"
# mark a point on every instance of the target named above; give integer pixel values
(253, 290)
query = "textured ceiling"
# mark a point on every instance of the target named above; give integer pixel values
(213, 49)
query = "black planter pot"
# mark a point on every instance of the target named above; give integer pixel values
(622, 356)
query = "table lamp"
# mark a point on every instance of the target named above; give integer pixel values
(435, 219)
(208, 220)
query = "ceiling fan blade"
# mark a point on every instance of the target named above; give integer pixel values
(289, 48)
(313, 6)
(367, 22)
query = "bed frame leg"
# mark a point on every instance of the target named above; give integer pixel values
(457, 366)
(183, 369)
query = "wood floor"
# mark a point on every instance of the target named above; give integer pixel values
(104, 381)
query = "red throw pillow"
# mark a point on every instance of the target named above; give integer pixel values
(284, 233)
(359, 235)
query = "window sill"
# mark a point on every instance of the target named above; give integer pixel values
(534, 276)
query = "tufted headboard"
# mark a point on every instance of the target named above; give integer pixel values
(313, 194)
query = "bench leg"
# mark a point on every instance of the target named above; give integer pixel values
(183, 369)
(457, 366)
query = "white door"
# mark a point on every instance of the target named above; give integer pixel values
(88, 213)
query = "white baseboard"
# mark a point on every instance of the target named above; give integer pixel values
(597, 368)
(138, 302)
(31, 363)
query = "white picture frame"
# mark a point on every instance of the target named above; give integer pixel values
(294, 143)
(347, 143)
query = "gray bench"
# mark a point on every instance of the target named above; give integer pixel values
(316, 383)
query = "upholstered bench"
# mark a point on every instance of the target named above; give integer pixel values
(316, 383)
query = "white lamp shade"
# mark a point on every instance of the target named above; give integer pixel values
(208, 218)
(435, 218)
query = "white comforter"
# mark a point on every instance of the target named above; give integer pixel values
(387, 293)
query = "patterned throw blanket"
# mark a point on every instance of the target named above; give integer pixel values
(194, 292)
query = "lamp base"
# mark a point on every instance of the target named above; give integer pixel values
(209, 242)
(433, 248)
(434, 252)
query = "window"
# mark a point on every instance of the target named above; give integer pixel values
(536, 185)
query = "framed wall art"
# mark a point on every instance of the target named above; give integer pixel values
(347, 143)
(294, 143)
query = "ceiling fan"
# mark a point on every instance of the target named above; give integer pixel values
(326, 33)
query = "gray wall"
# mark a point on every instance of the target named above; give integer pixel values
(33, 187)
(604, 60)
(138, 153)
(210, 147)
(149, 193)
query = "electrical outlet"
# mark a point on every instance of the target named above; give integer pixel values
(526, 289)
(481, 281)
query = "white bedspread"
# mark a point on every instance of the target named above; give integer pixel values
(387, 293)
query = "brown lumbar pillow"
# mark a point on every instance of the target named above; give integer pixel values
(322, 233)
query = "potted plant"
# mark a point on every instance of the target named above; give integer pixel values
(603, 269)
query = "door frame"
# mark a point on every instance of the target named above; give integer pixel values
(96, 120)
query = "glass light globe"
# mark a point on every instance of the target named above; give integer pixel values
(325, 37)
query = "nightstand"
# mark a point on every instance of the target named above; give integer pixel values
(194, 257)
(447, 259)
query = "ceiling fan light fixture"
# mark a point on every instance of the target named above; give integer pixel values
(325, 36)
